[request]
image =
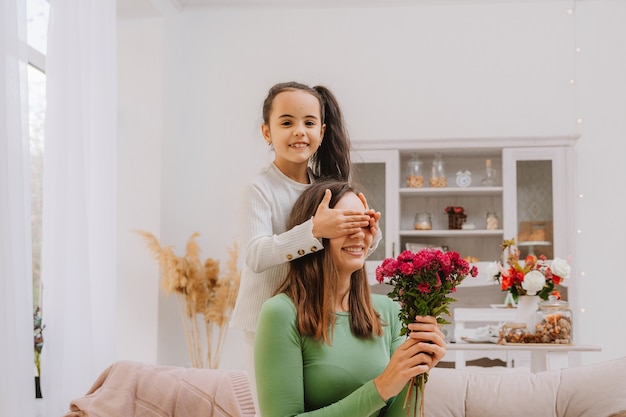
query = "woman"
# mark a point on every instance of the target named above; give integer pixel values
(324, 345)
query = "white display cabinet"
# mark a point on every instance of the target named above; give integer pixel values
(533, 187)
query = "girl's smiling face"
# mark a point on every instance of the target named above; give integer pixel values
(295, 128)
(349, 252)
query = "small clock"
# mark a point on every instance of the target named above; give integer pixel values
(463, 178)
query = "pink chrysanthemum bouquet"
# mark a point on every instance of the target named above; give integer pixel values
(422, 282)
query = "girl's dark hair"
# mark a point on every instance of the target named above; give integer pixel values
(311, 282)
(332, 159)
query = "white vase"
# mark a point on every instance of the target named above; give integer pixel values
(526, 312)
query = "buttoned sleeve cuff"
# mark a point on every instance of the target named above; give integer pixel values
(305, 243)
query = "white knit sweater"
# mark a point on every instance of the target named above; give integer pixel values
(267, 246)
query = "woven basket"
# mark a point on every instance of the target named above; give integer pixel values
(455, 221)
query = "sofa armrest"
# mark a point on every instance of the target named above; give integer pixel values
(132, 389)
(596, 390)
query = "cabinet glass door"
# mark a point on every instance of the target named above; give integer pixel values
(535, 214)
(536, 195)
(370, 178)
(375, 173)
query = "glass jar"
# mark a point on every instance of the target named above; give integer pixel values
(438, 173)
(554, 322)
(490, 174)
(491, 221)
(414, 172)
(423, 221)
(514, 333)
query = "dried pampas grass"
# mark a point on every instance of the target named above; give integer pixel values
(202, 293)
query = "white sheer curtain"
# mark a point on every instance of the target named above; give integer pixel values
(17, 392)
(79, 208)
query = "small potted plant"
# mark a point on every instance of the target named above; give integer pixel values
(456, 217)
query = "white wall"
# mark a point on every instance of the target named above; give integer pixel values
(140, 79)
(601, 99)
(420, 72)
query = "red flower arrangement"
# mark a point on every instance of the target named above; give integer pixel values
(422, 283)
(454, 210)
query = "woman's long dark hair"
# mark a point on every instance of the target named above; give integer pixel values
(332, 159)
(312, 279)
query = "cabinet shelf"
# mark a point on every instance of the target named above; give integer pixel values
(451, 233)
(451, 191)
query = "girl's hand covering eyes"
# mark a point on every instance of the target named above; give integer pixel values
(331, 223)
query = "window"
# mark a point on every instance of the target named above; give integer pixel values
(37, 27)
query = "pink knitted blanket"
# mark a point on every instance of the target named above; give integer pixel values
(133, 389)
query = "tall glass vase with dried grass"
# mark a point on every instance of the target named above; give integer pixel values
(205, 296)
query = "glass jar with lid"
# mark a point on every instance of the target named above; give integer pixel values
(554, 322)
(414, 172)
(490, 174)
(514, 333)
(423, 221)
(438, 173)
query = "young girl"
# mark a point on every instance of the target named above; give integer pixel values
(305, 127)
(327, 347)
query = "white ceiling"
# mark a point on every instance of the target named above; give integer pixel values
(337, 3)
(152, 8)
(136, 8)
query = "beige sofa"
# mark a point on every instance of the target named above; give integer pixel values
(133, 389)
(597, 390)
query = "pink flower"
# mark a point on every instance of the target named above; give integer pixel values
(406, 256)
(406, 268)
(379, 275)
(424, 288)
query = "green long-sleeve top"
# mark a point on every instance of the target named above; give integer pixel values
(299, 376)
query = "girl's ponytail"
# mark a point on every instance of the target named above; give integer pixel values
(332, 158)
